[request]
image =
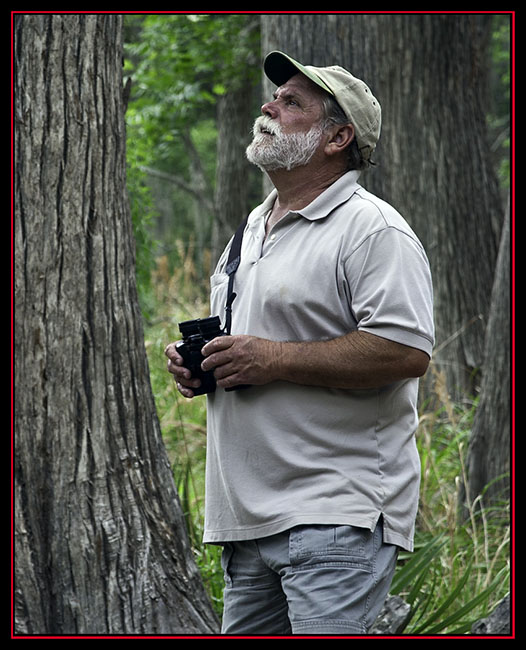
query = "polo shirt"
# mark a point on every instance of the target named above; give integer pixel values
(283, 454)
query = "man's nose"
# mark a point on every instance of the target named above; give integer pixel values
(270, 110)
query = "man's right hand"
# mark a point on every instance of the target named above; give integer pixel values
(182, 375)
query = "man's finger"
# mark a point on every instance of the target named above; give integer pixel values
(216, 345)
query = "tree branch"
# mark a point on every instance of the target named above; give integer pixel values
(182, 184)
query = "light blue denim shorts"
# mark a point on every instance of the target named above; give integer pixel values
(309, 580)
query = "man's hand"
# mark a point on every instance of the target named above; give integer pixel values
(182, 375)
(241, 359)
(354, 361)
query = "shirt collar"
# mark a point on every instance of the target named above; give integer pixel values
(336, 194)
(262, 210)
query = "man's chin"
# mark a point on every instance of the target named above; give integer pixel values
(256, 157)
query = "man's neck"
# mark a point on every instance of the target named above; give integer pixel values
(299, 187)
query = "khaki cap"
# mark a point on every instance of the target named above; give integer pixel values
(353, 95)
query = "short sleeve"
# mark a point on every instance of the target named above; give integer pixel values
(391, 288)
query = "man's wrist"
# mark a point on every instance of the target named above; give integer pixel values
(281, 360)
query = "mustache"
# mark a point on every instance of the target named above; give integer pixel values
(265, 124)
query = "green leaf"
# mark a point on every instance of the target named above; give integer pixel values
(418, 564)
(469, 606)
(219, 89)
(447, 601)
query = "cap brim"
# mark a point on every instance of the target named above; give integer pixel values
(280, 67)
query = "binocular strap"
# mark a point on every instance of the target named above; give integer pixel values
(234, 258)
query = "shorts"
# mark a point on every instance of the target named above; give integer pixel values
(309, 580)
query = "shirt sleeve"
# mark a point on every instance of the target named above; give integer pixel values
(391, 288)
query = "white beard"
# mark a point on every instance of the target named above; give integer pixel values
(280, 150)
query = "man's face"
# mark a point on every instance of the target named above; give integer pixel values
(288, 133)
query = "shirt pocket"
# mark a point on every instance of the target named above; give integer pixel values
(218, 294)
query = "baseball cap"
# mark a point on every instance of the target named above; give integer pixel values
(352, 94)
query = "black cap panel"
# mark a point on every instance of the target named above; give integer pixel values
(279, 69)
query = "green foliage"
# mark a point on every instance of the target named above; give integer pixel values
(179, 66)
(436, 608)
(460, 568)
(183, 422)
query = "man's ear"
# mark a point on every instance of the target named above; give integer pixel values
(340, 138)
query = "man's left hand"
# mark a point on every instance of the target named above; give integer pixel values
(240, 359)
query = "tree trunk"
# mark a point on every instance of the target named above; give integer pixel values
(488, 460)
(100, 540)
(234, 121)
(430, 73)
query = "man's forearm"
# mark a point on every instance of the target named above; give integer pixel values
(357, 360)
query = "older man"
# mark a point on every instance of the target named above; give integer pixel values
(312, 473)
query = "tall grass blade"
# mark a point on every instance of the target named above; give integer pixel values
(419, 563)
(447, 602)
(469, 606)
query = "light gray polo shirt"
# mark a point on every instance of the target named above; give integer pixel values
(283, 454)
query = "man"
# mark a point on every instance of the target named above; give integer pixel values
(312, 473)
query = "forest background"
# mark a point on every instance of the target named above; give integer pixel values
(155, 110)
(196, 86)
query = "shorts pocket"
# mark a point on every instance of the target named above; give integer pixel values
(226, 556)
(331, 546)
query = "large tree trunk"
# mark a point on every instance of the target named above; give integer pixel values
(237, 181)
(100, 539)
(234, 120)
(435, 140)
(430, 73)
(488, 460)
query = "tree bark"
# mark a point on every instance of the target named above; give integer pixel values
(100, 539)
(430, 74)
(488, 459)
(231, 198)
(237, 181)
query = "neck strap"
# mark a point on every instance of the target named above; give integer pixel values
(234, 258)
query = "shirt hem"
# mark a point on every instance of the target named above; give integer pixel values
(255, 532)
